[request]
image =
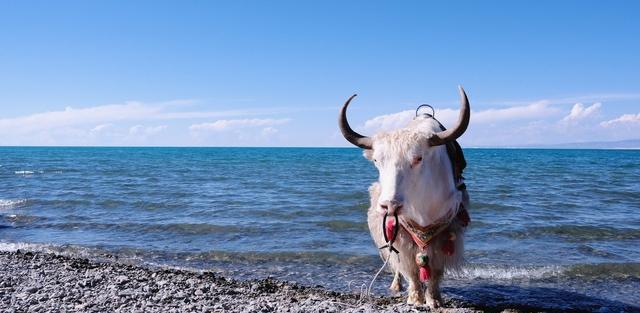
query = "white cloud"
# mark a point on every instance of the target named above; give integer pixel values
(530, 111)
(447, 116)
(579, 112)
(624, 119)
(389, 122)
(76, 117)
(538, 123)
(109, 114)
(223, 125)
(146, 131)
(570, 100)
(178, 123)
(101, 127)
(124, 124)
(269, 131)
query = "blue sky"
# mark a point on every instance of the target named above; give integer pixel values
(274, 73)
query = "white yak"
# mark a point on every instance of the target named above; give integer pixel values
(419, 204)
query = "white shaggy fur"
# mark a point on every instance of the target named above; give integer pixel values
(419, 177)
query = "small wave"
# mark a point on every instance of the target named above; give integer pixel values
(471, 272)
(28, 172)
(21, 219)
(615, 271)
(343, 225)
(182, 229)
(294, 257)
(8, 203)
(14, 246)
(605, 270)
(64, 200)
(33, 172)
(160, 257)
(501, 273)
(580, 233)
(493, 206)
(66, 250)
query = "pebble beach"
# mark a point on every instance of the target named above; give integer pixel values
(46, 282)
(42, 282)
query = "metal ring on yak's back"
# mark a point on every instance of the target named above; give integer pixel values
(433, 111)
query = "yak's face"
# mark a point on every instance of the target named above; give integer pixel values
(412, 173)
(400, 166)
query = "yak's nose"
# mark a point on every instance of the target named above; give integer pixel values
(390, 206)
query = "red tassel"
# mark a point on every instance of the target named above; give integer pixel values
(425, 273)
(448, 248)
(390, 229)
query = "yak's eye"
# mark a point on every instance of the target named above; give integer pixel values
(416, 161)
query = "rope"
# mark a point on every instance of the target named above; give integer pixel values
(368, 294)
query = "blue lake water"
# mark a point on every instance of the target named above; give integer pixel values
(565, 220)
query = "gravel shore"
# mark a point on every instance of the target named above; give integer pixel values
(43, 282)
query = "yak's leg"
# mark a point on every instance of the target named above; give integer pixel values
(396, 284)
(434, 298)
(416, 293)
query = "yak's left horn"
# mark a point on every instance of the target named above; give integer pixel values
(349, 134)
(445, 136)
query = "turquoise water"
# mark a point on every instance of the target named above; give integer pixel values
(562, 219)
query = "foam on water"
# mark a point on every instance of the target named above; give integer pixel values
(212, 259)
(26, 246)
(9, 203)
(502, 272)
(27, 172)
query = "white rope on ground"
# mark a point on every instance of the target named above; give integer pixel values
(368, 294)
(363, 291)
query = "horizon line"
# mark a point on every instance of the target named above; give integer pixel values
(553, 147)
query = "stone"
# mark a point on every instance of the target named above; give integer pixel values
(122, 279)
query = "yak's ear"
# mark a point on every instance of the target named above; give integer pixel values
(368, 153)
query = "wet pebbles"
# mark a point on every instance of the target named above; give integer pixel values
(41, 282)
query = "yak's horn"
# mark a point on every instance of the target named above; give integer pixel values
(363, 142)
(445, 136)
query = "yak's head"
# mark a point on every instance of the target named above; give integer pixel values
(415, 173)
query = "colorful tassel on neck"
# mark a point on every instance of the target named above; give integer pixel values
(422, 260)
(425, 273)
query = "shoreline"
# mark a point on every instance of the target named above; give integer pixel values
(45, 282)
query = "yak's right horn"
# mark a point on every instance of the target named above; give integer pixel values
(349, 134)
(445, 136)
